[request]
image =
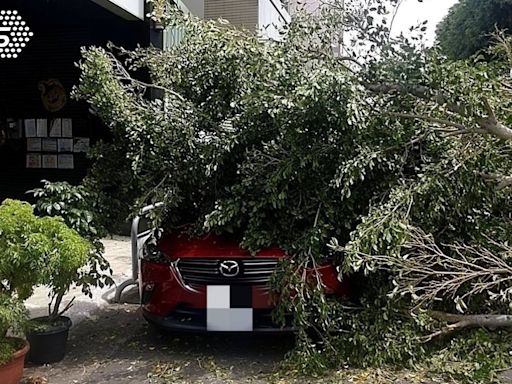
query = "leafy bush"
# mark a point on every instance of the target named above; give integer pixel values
(24, 249)
(34, 251)
(13, 317)
(38, 251)
(80, 211)
(461, 35)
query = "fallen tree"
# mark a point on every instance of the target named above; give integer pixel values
(390, 160)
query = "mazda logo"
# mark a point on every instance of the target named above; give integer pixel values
(229, 268)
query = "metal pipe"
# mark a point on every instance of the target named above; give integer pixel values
(135, 238)
(134, 235)
(135, 247)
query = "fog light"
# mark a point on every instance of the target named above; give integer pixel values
(147, 293)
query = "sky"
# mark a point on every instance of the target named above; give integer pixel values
(411, 12)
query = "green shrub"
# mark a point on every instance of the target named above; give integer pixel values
(80, 211)
(35, 251)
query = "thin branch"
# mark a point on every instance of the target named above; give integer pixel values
(489, 124)
(67, 307)
(503, 181)
(431, 119)
(124, 75)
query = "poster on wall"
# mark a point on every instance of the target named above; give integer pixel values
(56, 128)
(50, 161)
(81, 144)
(14, 128)
(67, 128)
(33, 144)
(30, 128)
(65, 145)
(42, 128)
(66, 162)
(53, 94)
(49, 145)
(33, 160)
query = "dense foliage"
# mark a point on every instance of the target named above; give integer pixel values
(38, 251)
(469, 26)
(384, 159)
(34, 251)
(79, 208)
(13, 317)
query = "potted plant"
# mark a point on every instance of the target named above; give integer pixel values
(12, 349)
(40, 251)
(67, 253)
(76, 260)
(22, 260)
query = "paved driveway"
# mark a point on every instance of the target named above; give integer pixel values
(117, 252)
(111, 343)
(114, 345)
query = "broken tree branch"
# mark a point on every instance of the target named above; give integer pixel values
(489, 124)
(503, 181)
(458, 322)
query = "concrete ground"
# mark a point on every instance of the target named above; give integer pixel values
(117, 252)
(114, 345)
(111, 343)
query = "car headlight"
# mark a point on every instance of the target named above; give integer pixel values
(152, 254)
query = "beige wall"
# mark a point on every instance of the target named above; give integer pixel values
(238, 12)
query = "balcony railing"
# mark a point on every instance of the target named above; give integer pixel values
(173, 36)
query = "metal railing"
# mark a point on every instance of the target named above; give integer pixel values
(173, 37)
(137, 243)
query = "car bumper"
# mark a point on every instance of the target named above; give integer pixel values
(169, 303)
(195, 321)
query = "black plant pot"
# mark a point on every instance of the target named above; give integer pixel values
(49, 345)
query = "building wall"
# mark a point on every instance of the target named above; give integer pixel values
(129, 9)
(272, 18)
(242, 13)
(196, 7)
(61, 28)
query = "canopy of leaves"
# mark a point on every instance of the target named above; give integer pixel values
(374, 157)
(469, 26)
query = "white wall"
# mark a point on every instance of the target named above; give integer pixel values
(128, 9)
(272, 16)
(196, 7)
(306, 5)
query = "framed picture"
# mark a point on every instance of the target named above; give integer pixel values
(66, 162)
(50, 161)
(81, 144)
(67, 128)
(65, 145)
(33, 160)
(49, 145)
(56, 128)
(42, 127)
(33, 144)
(30, 128)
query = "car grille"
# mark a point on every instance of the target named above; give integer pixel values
(207, 271)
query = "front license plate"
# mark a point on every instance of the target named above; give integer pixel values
(229, 308)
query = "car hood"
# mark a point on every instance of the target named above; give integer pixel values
(182, 246)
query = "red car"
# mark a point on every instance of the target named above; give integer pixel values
(209, 284)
